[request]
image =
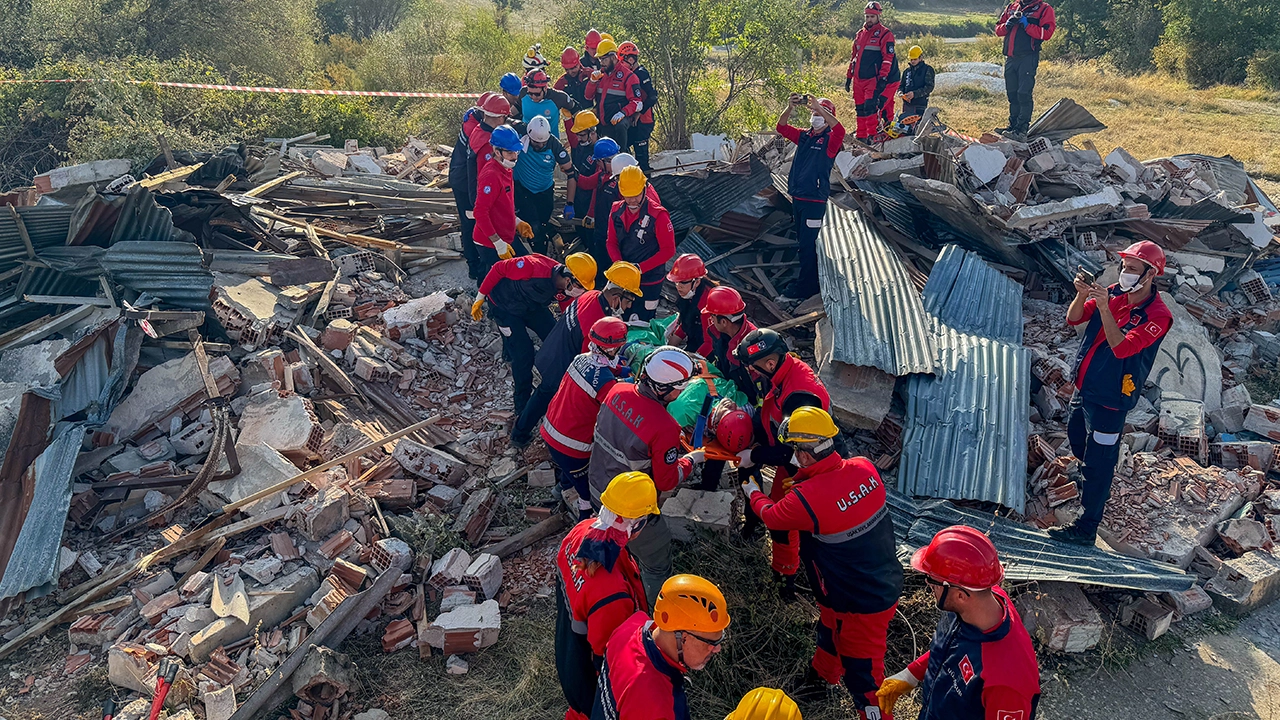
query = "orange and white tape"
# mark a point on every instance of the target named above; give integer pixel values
(253, 89)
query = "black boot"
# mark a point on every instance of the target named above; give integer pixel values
(1074, 535)
(809, 686)
(786, 586)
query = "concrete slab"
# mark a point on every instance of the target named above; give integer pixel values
(1245, 583)
(1098, 203)
(1188, 365)
(1061, 617)
(260, 468)
(288, 424)
(268, 605)
(860, 396)
(162, 388)
(465, 629)
(690, 510)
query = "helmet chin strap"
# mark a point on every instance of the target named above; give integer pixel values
(680, 650)
(942, 599)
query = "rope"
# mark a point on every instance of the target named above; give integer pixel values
(248, 88)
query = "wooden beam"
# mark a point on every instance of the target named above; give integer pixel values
(46, 328)
(807, 319)
(527, 537)
(22, 231)
(326, 363)
(68, 300)
(363, 241)
(169, 162)
(270, 185)
(181, 173)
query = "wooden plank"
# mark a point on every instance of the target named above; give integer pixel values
(47, 327)
(204, 560)
(363, 241)
(807, 319)
(22, 231)
(272, 184)
(181, 173)
(736, 249)
(68, 300)
(525, 538)
(169, 162)
(409, 170)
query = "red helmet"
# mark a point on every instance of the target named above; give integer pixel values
(496, 105)
(734, 431)
(569, 59)
(1148, 252)
(483, 97)
(960, 556)
(826, 103)
(873, 8)
(628, 48)
(724, 300)
(593, 39)
(536, 79)
(609, 332)
(687, 267)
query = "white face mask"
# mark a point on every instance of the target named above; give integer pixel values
(688, 295)
(817, 122)
(1129, 281)
(574, 291)
(508, 164)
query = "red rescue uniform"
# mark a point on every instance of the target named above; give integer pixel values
(693, 324)
(638, 681)
(495, 205)
(871, 62)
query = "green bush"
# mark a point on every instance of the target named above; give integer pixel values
(1207, 42)
(1133, 31)
(1264, 70)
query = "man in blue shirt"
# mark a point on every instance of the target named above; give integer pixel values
(535, 183)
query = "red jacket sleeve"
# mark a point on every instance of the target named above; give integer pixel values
(1142, 337)
(632, 90)
(1090, 306)
(836, 142)
(786, 514)
(853, 56)
(611, 244)
(1001, 28)
(562, 83)
(887, 50)
(499, 272)
(669, 465)
(1048, 23)
(666, 235)
(607, 610)
(1001, 702)
(789, 132)
(919, 665)
(485, 203)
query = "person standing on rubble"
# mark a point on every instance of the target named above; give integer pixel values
(1126, 324)
(689, 276)
(573, 83)
(570, 423)
(535, 181)
(1025, 26)
(599, 586)
(634, 431)
(495, 209)
(848, 552)
(616, 91)
(519, 291)
(791, 384)
(640, 232)
(511, 87)
(981, 664)
(871, 63)
(642, 677)
(570, 338)
(917, 83)
(462, 196)
(809, 184)
(642, 125)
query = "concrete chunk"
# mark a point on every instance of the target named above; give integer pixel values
(88, 173)
(425, 462)
(287, 424)
(1084, 205)
(1188, 365)
(220, 704)
(324, 514)
(690, 509)
(484, 575)
(260, 468)
(465, 629)
(986, 162)
(165, 387)
(267, 605)
(1246, 583)
(1264, 420)
(1061, 617)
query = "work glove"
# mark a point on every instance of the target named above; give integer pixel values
(749, 488)
(893, 688)
(617, 118)
(588, 222)
(669, 336)
(848, 84)
(505, 251)
(477, 307)
(471, 215)
(697, 456)
(744, 459)
(596, 75)
(568, 211)
(524, 229)
(1023, 21)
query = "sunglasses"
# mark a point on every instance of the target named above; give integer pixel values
(706, 641)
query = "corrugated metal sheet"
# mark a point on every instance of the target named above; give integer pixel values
(142, 219)
(1030, 554)
(878, 317)
(46, 225)
(1064, 120)
(970, 296)
(701, 197)
(175, 272)
(33, 564)
(696, 244)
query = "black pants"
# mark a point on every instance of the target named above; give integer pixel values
(914, 108)
(639, 137)
(519, 348)
(618, 132)
(646, 308)
(808, 217)
(576, 664)
(599, 249)
(1019, 85)
(1094, 433)
(535, 209)
(571, 472)
(468, 226)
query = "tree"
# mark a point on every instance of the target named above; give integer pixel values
(1212, 41)
(362, 19)
(704, 55)
(1082, 26)
(1133, 30)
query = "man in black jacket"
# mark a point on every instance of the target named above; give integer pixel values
(917, 83)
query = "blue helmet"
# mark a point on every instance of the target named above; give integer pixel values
(605, 148)
(511, 84)
(505, 138)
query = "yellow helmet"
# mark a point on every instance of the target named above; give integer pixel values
(632, 181)
(625, 275)
(631, 495)
(915, 52)
(690, 603)
(807, 425)
(585, 120)
(606, 46)
(583, 267)
(606, 36)
(765, 704)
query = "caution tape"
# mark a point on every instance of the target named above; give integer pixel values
(253, 89)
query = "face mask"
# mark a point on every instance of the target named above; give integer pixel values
(817, 122)
(1129, 281)
(574, 291)
(688, 295)
(508, 164)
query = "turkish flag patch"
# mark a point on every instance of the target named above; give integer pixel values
(1154, 329)
(966, 669)
(1010, 715)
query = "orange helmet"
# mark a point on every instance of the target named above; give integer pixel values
(628, 48)
(687, 267)
(690, 603)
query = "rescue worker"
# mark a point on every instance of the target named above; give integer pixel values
(570, 423)
(511, 86)
(518, 291)
(642, 125)
(535, 181)
(640, 231)
(727, 326)
(495, 209)
(1025, 26)
(848, 551)
(471, 119)
(791, 385)
(809, 184)
(981, 664)
(570, 337)
(573, 83)
(887, 93)
(616, 92)
(689, 275)
(634, 431)
(538, 98)
(603, 195)
(588, 172)
(642, 677)
(478, 153)
(765, 704)
(872, 62)
(589, 46)
(917, 83)
(1126, 324)
(599, 586)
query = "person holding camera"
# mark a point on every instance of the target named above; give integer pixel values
(1025, 25)
(809, 183)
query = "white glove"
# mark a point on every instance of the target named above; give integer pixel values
(503, 248)
(471, 215)
(696, 456)
(750, 487)
(744, 459)
(617, 118)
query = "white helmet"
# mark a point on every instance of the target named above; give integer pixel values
(533, 58)
(539, 128)
(621, 161)
(668, 368)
